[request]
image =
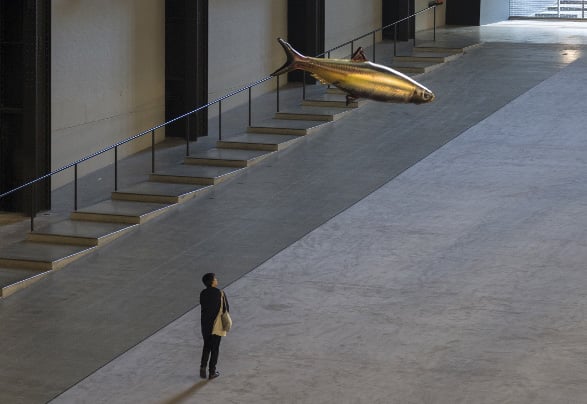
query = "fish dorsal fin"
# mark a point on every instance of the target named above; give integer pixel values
(359, 55)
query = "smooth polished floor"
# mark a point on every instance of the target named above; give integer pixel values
(429, 254)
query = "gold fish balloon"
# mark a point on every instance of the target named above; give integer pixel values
(357, 77)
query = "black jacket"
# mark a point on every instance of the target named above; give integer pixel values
(210, 304)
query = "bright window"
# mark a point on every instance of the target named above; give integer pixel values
(568, 9)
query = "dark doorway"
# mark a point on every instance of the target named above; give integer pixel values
(305, 31)
(25, 129)
(395, 10)
(463, 12)
(186, 66)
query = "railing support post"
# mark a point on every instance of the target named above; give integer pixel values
(116, 168)
(33, 207)
(395, 39)
(75, 188)
(304, 85)
(277, 93)
(434, 26)
(374, 42)
(187, 136)
(414, 31)
(153, 151)
(220, 120)
(250, 107)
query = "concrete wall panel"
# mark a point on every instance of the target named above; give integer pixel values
(348, 19)
(243, 46)
(425, 20)
(108, 81)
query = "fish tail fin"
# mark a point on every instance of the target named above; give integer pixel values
(293, 59)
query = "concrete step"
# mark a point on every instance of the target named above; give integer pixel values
(195, 174)
(10, 217)
(414, 67)
(327, 100)
(159, 192)
(562, 15)
(427, 57)
(286, 127)
(15, 279)
(257, 141)
(570, 9)
(227, 157)
(450, 47)
(113, 211)
(40, 256)
(313, 113)
(335, 90)
(80, 233)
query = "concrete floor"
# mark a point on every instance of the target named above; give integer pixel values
(430, 254)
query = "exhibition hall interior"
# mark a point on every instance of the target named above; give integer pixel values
(389, 193)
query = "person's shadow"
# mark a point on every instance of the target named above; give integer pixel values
(184, 395)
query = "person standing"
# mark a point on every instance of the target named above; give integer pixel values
(213, 303)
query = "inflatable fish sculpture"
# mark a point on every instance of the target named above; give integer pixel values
(357, 77)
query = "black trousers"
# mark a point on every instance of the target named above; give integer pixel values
(210, 350)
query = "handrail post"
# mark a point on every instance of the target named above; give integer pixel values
(374, 41)
(187, 136)
(434, 26)
(33, 207)
(220, 120)
(395, 39)
(75, 188)
(277, 93)
(250, 106)
(304, 85)
(153, 151)
(415, 30)
(352, 47)
(116, 168)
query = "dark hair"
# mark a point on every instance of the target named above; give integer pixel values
(208, 278)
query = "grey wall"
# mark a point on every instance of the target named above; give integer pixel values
(348, 19)
(425, 20)
(494, 11)
(108, 77)
(243, 46)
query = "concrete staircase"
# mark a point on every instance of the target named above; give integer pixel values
(56, 245)
(568, 9)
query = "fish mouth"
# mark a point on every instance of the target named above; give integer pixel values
(429, 96)
(423, 96)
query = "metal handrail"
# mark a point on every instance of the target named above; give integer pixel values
(130, 139)
(188, 114)
(393, 24)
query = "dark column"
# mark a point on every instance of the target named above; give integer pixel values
(395, 10)
(463, 12)
(186, 65)
(25, 127)
(305, 30)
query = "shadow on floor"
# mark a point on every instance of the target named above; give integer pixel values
(184, 395)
